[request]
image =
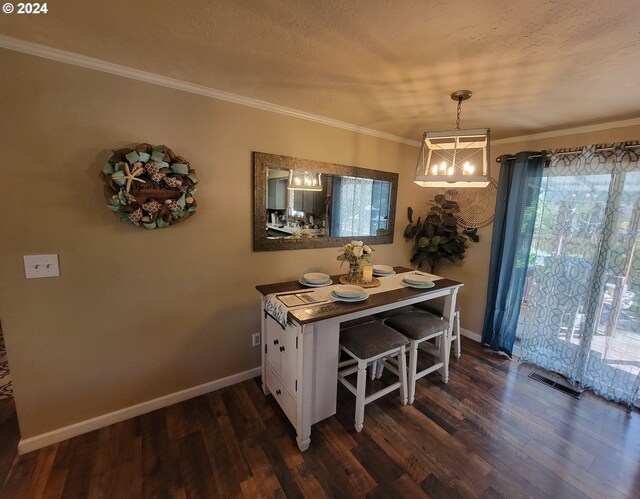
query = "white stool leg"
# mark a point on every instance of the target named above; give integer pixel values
(360, 394)
(379, 369)
(373, 371)
(458, 336)
(444, 349)
(413, 366)
(402, 374)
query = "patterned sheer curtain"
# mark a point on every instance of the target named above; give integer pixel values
(352, 207)
(581, 305)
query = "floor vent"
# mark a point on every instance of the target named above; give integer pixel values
(557, 386)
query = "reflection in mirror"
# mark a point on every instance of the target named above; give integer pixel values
(349, 203)
(304, 181)
(360, 207)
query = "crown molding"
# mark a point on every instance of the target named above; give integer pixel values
(83, 61)
(570, 131)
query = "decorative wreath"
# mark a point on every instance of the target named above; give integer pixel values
(150, 186)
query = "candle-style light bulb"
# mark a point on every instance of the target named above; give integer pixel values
(443, 166)
(434, 169)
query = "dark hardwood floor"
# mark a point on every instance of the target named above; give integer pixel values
(490, 432)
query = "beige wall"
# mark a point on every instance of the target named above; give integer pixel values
(136, 314)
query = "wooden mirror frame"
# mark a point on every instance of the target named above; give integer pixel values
(263, 161)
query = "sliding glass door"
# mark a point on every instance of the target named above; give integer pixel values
(581, 305)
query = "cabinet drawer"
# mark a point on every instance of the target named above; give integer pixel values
(285, 400)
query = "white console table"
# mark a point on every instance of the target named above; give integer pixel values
(300, 362)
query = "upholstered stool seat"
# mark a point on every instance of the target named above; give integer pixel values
(367, 343)
(419, 327)
(436, 306)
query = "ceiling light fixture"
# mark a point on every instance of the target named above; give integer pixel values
(455, 158)
(304, 181)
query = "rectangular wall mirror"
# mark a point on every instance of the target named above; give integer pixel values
(300, 203)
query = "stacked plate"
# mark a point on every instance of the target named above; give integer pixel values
(383, 270)
(417, 281)
(349, 293)
(315, 280)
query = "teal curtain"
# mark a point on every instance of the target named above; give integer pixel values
(516, 204)
(581, 311)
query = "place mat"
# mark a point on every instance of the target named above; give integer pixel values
(274, 306)
(276, 309)
(277, 305)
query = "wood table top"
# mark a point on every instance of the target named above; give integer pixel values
(314, 313)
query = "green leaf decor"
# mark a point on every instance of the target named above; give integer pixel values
(437, 238)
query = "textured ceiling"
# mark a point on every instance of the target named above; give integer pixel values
(533, 66)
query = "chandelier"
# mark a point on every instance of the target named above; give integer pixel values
(304, 181)
(454, 158)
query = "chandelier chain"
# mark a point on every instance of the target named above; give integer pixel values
(459, 113)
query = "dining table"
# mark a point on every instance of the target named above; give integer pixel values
(300, 328)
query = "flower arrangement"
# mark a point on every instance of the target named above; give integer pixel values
(355, 252)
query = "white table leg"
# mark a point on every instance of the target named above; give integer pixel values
(402, 371)
(360, 394)
(445, 343)
(304, 441)
(317, 375)
(413, 361)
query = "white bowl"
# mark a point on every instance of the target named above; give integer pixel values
(349, 291)
(316, 277)
(383, 269)
(417, 279)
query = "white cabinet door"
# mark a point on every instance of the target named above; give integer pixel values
(272, 344)
(281, 352)
(289, 358)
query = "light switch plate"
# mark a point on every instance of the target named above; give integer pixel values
(36, 266)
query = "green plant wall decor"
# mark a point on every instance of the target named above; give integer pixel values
(437, 237)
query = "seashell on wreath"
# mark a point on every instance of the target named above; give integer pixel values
(150, 186)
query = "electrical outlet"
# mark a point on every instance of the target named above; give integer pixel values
(255, 339)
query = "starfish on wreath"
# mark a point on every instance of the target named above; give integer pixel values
(131, 175)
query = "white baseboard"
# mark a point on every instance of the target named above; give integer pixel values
(55, 436)
(471, 335)
(52, 437)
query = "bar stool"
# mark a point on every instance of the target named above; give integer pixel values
(367, 343)
(377, 368)
(436, 306)
(419, 327)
